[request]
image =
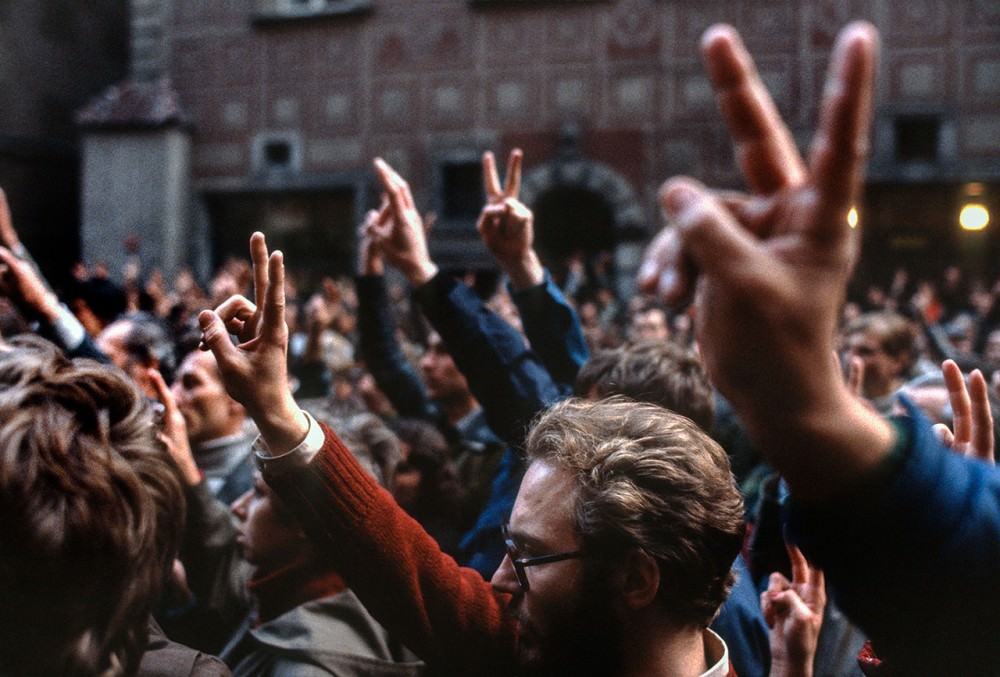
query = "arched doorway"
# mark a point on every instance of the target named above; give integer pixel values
(587, 209)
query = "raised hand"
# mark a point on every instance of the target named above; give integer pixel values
(793, 611)
(399, 230)
(972, 420)
(506, 225)
(369, 257)
(8, 235)
(255, 372)
(22, 283)
(173, 429)
(770, 268)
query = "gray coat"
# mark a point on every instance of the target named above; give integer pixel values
(329, 636)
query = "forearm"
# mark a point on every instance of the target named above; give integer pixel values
(449, 616)
(821, 437)
(524, 271)
(381, 353)
(825, 453)
(553, 329)
(503, 373)
(911, 555)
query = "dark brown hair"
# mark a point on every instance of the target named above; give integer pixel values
(659, 372)
(92, 511)
(651, 479)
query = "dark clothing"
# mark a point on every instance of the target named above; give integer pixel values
(912, 553)
(383, 357)
(447, 614)
(489, 470)
(164, 658)
(329, 636)
(509, 380)
(216, 576)
(476, 450)
(741, 624)
(504, 373)
(553, 330)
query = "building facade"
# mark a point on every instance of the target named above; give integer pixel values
(284, 103)
(57, 54)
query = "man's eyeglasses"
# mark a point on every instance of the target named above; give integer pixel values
(521, 563)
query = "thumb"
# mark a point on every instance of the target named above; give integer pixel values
(214, 337)
(716, 243)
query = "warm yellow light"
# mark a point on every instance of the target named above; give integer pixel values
(973, 189)
(852, 217)
(974, 217)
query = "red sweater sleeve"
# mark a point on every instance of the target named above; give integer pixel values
(448, 615)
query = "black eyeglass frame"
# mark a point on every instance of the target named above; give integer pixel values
(521, 563)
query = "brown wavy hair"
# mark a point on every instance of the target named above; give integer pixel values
(660, 372)
(649, 478)
(92, 510)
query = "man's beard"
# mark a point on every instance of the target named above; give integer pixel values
(585, 639)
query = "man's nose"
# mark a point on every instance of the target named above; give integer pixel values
(239, 506)
(504, 579)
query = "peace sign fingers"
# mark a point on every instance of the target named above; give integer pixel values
(491, 178)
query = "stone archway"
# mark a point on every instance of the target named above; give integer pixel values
(607, 192)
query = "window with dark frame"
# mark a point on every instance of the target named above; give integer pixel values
(461, 190)
(917, 138)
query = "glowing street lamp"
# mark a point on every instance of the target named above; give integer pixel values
(974, 216)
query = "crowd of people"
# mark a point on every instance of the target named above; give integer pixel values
(740, 471)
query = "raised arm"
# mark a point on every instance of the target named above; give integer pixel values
(504, 374)
(447, 615)
(908, 535)
(506, 226)
(772, 266)
(23, 283)
(377, 343)
(255, 370)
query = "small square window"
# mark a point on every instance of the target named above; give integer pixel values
(917, 138)
(461, 190)
(278, 153)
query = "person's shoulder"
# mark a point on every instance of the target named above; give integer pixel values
(166, 658)
(334, 635)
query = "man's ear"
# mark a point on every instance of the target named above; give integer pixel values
(642, 579)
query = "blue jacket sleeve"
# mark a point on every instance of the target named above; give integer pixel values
(741, 624)
(553, 330)
(912, 556)
(504, 374)
(382, 355)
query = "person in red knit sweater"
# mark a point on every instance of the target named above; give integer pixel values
(619, 545)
